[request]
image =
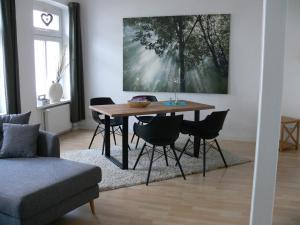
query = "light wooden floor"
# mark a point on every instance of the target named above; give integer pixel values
(221, 198)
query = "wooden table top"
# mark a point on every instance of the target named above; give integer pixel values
(286, 119)
(121, 110)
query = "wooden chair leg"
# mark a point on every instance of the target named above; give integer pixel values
(92, 206)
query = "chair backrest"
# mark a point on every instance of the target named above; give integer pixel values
(162, 130)
(99, 101)
(150, 98)
(214, 122)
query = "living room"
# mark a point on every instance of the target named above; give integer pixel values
(247, 179)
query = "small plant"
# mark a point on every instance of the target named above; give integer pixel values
(62, 66)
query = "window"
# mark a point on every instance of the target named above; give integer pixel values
(2, 79)
(49, 46)
(47, 54)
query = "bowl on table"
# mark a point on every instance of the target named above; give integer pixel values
(138, 103)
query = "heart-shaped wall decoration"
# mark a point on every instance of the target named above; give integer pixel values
(47, 18)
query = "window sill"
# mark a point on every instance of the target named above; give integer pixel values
(52, 105)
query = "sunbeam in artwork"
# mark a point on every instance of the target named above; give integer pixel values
(176, 54)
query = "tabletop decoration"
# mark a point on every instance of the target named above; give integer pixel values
(175, 103)
(138, 102)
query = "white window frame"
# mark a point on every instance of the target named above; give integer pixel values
(41, 6)
(60, 36)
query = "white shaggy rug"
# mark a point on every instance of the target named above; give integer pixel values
(113, 177)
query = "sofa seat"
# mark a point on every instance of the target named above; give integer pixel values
(29, 187)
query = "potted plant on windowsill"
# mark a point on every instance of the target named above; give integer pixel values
(56, 90)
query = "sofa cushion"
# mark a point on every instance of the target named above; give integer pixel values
(22, 118)
(20, 140)
(32, 185)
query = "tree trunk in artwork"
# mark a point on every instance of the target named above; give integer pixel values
(181, 55)
(210, 44)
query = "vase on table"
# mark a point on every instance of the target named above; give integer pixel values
(176, 83)
(55, 92)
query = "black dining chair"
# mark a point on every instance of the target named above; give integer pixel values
(207, 129)
(161, 131)
(144, 119)
(115, 123)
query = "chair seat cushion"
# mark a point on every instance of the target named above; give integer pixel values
(30, 186)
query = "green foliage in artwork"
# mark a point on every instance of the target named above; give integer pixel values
(191, 49)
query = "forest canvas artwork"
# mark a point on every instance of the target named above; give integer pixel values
(176, 53)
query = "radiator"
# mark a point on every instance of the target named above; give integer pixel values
(57, 119)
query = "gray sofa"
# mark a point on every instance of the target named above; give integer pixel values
(37, 191)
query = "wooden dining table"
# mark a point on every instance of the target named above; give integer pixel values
(124, 111)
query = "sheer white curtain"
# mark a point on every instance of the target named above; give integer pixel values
(2, 79)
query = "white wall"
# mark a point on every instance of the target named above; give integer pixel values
(103, 38)
(291, 91)
(26, 58)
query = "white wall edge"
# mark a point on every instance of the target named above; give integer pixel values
(272, 68)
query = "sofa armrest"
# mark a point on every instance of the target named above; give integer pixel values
(48, 145)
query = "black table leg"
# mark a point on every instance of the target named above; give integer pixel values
(197, 138)
(125, 143)
(173, 114)
(124, 164)
(107, 136)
